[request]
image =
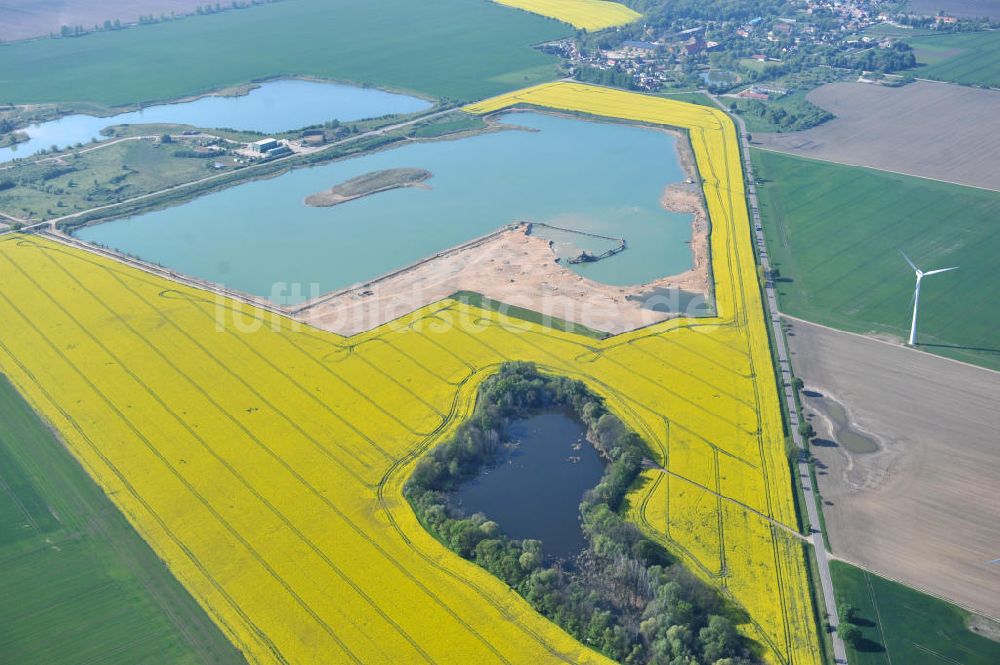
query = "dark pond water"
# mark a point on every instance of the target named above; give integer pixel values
(535, 491)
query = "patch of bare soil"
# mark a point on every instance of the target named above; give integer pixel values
(923, 508)
(687, 198)
(988, 628)
(933, 130)
(511, 266)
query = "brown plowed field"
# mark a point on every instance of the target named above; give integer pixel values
(935, 130)
(24, 19)
(925, 509)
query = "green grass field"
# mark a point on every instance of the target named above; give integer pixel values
(101, 177)
(459, 49)
(972, 58)
(78, 584)
(699, 98)
(902, 625)
(835, 233)
(515, 312)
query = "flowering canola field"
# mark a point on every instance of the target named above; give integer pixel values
(264, 460)
(588, 15)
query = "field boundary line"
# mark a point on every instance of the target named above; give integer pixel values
(915, 587)
(878, 615)
(887, 343)
(873, 168)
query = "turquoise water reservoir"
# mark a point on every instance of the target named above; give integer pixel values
(261, 238)
(275, 106)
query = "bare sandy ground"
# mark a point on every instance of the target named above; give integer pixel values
(24, 19)
(935, 130)
(511, 266)
(925, 509)
(965, 8)
(520, 269)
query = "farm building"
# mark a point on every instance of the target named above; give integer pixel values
(263, 145)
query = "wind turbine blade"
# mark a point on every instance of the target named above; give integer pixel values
(912, 265)
(934, 272)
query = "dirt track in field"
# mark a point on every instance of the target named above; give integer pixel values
(935, 130)
(926, 508)
(25, 19)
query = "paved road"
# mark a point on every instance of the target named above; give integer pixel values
(784, 365)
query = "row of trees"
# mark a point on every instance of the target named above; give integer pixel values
(623, 595)
(150, 19)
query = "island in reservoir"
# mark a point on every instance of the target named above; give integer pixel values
(366, 185)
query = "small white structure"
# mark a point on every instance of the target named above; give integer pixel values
(916, 294)
(263, 145)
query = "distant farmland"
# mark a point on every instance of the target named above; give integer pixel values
(441, 48)
(583, 14)
(835, 233)
(23, 19)
(972, 58)
(970, 8)
(935, 130)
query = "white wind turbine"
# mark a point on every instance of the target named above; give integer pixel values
(916, 294)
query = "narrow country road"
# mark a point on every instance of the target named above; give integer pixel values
(784, 365)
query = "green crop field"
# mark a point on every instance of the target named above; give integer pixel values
(972, 58)
(901, 625)
(459, 49)
(78, 584)
(835, 233)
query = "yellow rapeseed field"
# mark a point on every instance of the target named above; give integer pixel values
(264, 460)
(588, 15)
(727, 478)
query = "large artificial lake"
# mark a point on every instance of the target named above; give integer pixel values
(261, 238)
(535, 491)
(275, 106)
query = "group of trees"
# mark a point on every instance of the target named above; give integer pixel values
(623, 595)
(659, 12)
(800, 116)
(611, 77)
(848, 628)
(897, 57)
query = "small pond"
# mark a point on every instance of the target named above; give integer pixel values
(844, 431)
(275, 106)
(535, 492)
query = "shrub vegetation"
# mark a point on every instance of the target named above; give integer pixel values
(622, 595)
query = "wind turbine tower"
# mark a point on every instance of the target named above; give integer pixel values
(916, 294)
